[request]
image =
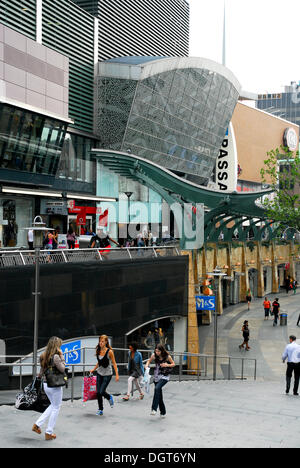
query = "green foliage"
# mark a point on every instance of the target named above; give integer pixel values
(282, 172)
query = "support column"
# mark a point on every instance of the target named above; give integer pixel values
(275, 279)
(245, 278)
(193, 334)
(260, 269)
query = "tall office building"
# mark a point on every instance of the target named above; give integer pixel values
(284, 104)
(139, 27)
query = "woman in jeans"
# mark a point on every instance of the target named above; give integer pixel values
(135, 370)
(163, 365)
(106, 361)
(52, 353)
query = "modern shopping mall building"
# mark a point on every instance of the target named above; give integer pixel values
(76, 84)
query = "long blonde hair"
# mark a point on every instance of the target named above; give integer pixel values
(53, 347)
(104, 337)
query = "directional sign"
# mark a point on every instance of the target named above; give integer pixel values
(205, 302)
(72, 352)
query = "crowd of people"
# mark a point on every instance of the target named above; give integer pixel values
(53, 358)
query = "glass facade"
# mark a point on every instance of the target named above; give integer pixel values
(285, 105)
(176, 118)
(16, 213)
(29, 142)
(86, 301)
(75, 162)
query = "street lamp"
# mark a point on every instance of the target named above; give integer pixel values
(217, 273)
(38, 228)
(128, 195)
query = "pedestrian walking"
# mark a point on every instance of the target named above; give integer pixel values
(71, 237)
(163, 365)
(295, 284)
(287, 282)
(106, 361)
(275, 310)
(52, 356)
(267, 307)
(293, 366)
(248, 297)
(135, 370)
(246, 335)
(30, 239)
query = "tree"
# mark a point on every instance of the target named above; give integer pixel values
(282, 173)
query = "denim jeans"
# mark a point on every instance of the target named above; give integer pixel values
(102, 384)
(158, 396)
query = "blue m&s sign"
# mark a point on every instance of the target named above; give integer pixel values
(205, 302)
(72, 352)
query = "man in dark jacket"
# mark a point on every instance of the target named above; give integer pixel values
(276, 310)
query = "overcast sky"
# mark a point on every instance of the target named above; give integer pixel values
(262, 39)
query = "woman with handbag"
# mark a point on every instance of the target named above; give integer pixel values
(53, 367)
(135, 370)
(163, 367)
(106, 361)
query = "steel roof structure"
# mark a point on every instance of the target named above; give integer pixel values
(224, 212)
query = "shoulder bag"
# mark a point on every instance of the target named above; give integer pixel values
(54, 377)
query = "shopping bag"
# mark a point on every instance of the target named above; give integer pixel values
(33, 398)
(89, 388)
(146, 380)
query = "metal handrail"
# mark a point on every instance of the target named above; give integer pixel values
(11, 258)
(181, 355)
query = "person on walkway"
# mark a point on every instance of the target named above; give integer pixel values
(163, 365)
(293, 366)
(71, 238)
(135, 370)
(30, 239)
(248, 297)
(267, 307)
(246, 335)
(106, 361)
(287, 282)
(52, 355)
(295, 284)
(275, 310)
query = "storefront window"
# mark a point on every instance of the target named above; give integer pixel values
(15, 215)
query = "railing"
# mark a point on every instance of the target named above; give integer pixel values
(11, 258)
(237, 368)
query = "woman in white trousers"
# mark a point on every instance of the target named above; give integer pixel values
(54, 394)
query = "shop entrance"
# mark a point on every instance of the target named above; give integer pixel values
(253, 281)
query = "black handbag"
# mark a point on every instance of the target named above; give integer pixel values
(33, 398)
(54, 377)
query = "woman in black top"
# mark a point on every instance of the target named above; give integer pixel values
(246, 334)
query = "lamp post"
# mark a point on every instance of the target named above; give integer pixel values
(216, 275)
(38, 228)
(128, 195)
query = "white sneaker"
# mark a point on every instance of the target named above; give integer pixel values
(163, 416)
(153, 413)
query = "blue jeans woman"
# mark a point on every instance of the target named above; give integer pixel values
(163, 365)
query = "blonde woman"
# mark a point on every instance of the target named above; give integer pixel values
(52, 356)
(106, 361)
